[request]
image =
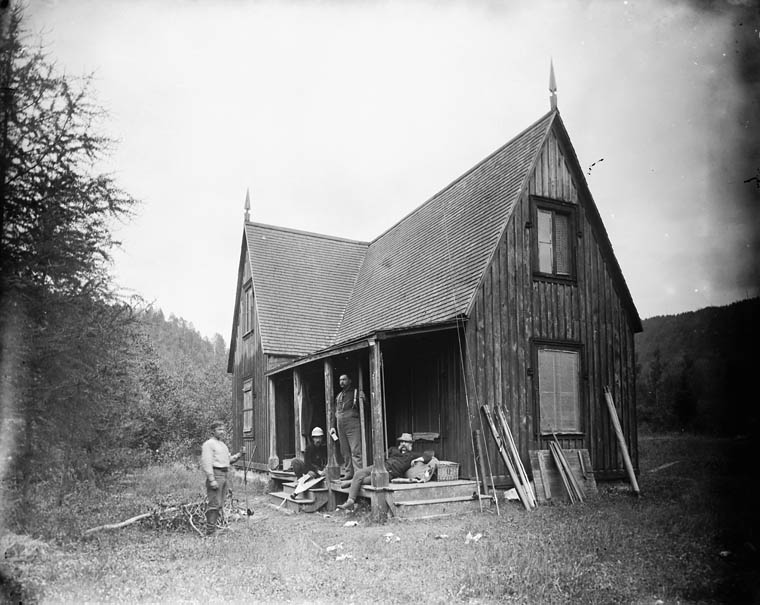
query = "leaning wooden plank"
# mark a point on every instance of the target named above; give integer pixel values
(306, 484)
(545, 472)
(510, 468)
(516, 456)
(544, 476)
(621, 439)
(561, 470)
(582, 465)
(568, 471)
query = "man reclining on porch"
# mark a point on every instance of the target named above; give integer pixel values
(397, 463)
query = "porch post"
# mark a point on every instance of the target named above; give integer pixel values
(300, 443)
(362, 419)
(333, 470)
(379, 472)
(274, 461)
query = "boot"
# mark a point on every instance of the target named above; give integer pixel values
(212, 516)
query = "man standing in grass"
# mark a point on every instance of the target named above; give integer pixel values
(215, 463)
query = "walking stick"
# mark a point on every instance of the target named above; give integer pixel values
(248, 511)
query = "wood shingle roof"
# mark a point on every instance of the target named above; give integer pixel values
(302, 283)
(426, 268)
(315, 291)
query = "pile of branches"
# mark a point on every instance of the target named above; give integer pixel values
(181, 516)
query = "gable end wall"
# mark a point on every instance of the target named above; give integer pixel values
(511, 309)
(250, 362)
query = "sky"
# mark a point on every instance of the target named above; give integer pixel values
(341, 118)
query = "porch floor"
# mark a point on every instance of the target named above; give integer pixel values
(420, 500)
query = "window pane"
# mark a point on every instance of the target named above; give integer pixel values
(545, 253)
(547, 391)
(562, 243)
(247, 407)
(559, 402)
(567, 383)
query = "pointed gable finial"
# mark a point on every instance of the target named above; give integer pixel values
(552, 86)
(247, 205)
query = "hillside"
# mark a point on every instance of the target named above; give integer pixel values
(695, 369)
(184, 384)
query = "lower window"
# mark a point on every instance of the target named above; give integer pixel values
(247, 407)
(559, 390)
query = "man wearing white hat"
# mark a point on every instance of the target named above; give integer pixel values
(399, 460)
(314, 458)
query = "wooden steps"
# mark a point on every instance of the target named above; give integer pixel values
(441, 507)
(309, 501)
(426, 500)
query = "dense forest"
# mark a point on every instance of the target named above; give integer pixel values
(695, 370)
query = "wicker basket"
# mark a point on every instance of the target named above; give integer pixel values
(448, 471)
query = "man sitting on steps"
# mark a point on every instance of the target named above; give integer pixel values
(397, 463)
(314, 459)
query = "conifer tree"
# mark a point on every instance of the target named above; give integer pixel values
(65, 332)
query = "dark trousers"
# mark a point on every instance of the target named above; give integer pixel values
(350, 435)
(361, 476)
(216, 498)
(298, 467)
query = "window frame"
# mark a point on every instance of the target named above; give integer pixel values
(569, 210)
(247, 412)
(246, 309)
(561, 346)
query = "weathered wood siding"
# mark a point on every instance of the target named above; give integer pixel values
(512, 308)
(250, 363)
(424, 391)
(284, 416)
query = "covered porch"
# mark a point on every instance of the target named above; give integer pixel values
(414, 383)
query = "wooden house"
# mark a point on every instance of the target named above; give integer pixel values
(502, 288)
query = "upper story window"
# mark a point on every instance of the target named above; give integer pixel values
(554, 241)
(246, 309)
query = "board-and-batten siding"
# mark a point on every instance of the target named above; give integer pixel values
(424, 392)
(511, 308)
(250, 363)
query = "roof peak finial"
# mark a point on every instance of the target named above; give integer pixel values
(247, 204)
(552, 86)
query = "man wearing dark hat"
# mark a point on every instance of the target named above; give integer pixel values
(215, 463)
(399, 460)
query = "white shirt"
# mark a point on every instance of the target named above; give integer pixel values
(214, 453)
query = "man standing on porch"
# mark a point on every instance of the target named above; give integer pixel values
(349, 426)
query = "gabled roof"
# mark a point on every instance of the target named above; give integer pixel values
(426, 268)
(314, 291)
(302, 282)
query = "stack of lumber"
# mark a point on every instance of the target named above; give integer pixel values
(572, 487)
(506, 445)
(549, 483)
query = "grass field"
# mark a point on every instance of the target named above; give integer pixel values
(690, 538)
